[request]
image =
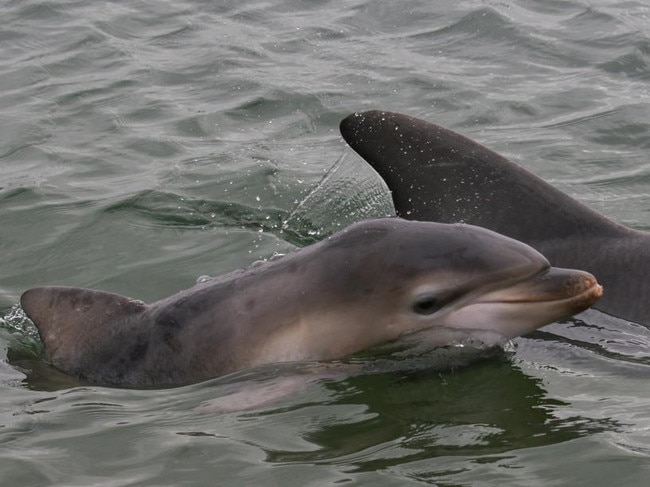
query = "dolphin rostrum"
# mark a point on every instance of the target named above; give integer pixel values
(366, 285)
(435, 174)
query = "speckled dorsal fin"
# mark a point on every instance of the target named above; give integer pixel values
(436, 174)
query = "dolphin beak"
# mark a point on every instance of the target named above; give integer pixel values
(551, 295)
(577, 290)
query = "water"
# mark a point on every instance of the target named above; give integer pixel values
(144, 144)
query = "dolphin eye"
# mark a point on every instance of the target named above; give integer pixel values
(427, 305)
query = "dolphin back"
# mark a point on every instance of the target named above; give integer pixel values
(436, 174)
(73, 322)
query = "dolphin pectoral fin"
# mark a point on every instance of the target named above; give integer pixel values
(436, 174)
(261, 394)
(71, 320)
(258, 395)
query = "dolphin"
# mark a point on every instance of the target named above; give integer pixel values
(438, 175)
(366, 285)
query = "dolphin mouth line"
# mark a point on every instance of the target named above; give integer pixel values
(594, 291)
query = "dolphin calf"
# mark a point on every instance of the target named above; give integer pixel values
(438, 175)
(366, 285)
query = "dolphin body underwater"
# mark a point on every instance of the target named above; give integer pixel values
(435, 174)
(369, 284)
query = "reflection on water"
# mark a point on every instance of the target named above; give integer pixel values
(489, 409)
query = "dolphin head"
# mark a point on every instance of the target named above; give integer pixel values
(412, 276)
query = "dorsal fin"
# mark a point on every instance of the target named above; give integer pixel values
(71, 321)
(438, 175)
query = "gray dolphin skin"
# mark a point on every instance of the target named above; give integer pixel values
(366, 285)
(435, 174)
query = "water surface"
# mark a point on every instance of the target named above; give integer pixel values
(143, 144)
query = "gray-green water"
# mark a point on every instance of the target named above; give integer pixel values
(143, 144)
